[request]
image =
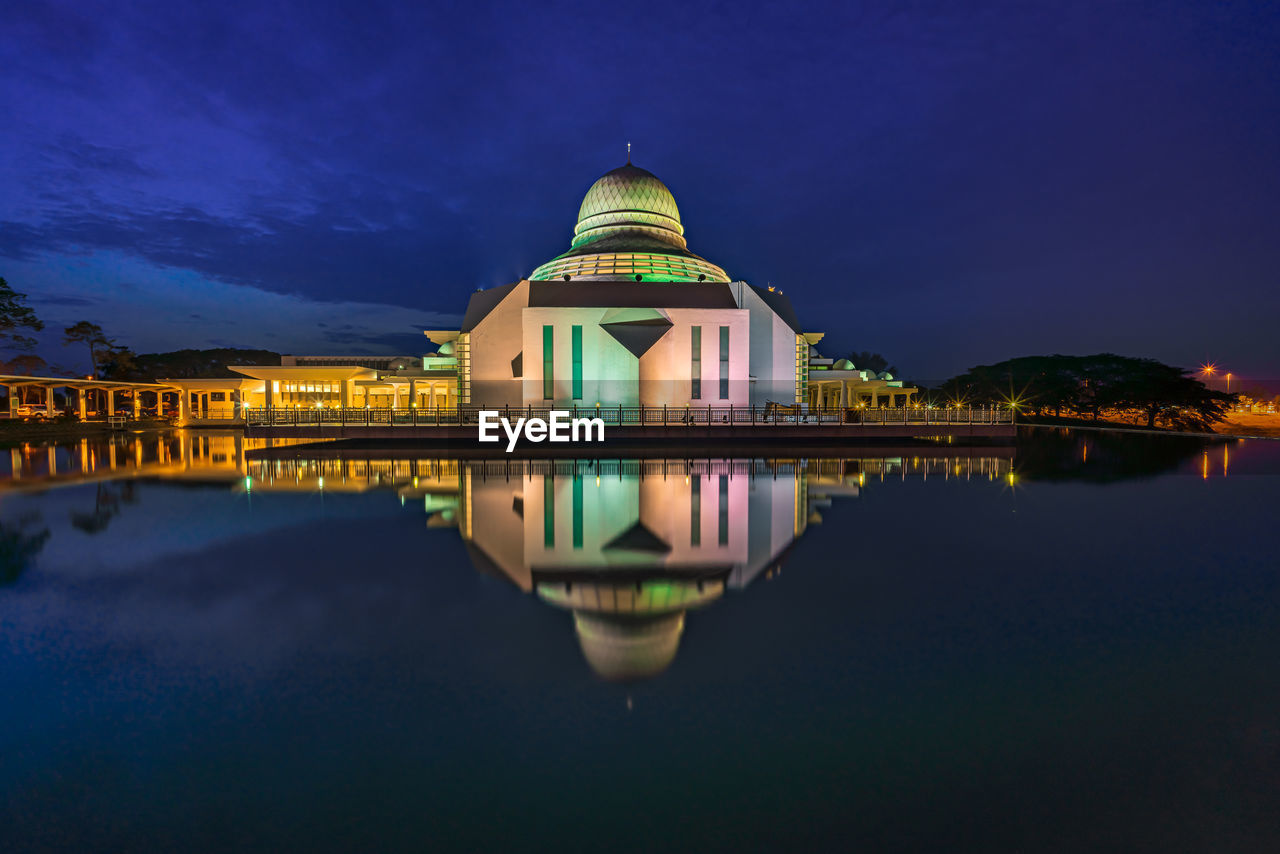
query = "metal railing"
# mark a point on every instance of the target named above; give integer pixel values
(226, 414)
(628, 416)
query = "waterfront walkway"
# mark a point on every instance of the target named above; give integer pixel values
(636, 424)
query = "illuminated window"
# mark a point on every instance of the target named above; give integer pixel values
(577, 363)
(724, 363)
(548, 363)
(695, 372)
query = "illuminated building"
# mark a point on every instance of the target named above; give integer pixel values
(628, 316)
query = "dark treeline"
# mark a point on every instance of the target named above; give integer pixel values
(1102, 386)
(185, 364)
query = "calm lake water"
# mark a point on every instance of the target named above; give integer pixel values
(1071, 645)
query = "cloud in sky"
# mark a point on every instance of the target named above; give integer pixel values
(187, 310)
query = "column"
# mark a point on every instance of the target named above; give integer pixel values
(13, 403)
(184, 406)
(80, 404)
(844, 392)
(111, 403)
(137, 403)
(267, 388)
(413, 393)
(48, 401)
(344, 391)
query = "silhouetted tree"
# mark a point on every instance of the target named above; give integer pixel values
(16, 315)
(196, 363)
(92, 336)
(26, 364)
(1091, 386)
(118, 362)
(865, 360)
(106, 504)
(18, 545)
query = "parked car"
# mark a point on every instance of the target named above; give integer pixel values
(27, 412)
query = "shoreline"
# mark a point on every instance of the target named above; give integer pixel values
(1113, 427)
(18, 432)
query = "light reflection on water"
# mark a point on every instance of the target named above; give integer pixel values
(628, 546)
(358, 651)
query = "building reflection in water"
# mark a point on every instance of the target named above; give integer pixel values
(628, 547)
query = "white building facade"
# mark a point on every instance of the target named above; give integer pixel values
(630, 317)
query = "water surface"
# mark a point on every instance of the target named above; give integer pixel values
(1068, 645)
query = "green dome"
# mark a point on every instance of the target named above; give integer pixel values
(629, 229)
(628, 198)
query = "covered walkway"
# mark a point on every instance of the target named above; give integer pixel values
(90, 399)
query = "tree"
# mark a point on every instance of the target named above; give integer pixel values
(25, 364)
(1093, 386)
(16, 315)
(198, 363)
(19, 544)
(89, 334)
(118, 362)
(1166, 394)
(865, 360)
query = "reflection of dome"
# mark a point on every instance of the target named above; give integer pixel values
(630, 630)
(648, 598)
(629, 226)
(625, 648)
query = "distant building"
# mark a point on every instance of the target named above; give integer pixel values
(378, 363)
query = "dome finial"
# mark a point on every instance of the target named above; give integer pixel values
(628, 153)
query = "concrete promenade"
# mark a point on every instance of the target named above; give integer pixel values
(705, 427)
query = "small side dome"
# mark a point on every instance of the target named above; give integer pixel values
(842, 365)
(446, 349)
(885, 375)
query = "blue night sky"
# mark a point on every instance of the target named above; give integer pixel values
(948, 183)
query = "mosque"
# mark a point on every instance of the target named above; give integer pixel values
(627, 316)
